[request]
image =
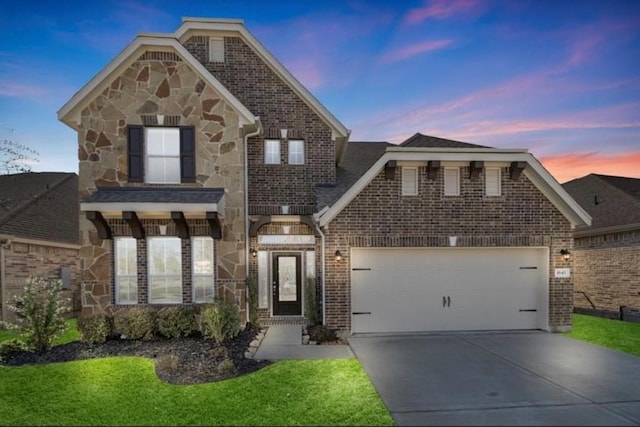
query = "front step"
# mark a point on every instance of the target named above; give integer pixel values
(283, 320)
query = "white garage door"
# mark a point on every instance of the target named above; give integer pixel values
(448, 289)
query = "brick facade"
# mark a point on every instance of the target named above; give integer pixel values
(607, 273)
(22, 260)
(258, 87)
(381, 217)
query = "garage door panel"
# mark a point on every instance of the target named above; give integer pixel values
(417, 289)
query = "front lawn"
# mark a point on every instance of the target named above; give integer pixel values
(622, 336)
(126, 391)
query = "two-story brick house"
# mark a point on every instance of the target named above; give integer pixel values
(204, 162)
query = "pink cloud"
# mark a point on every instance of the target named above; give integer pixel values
(13, 89)
(439, 9)
(566, 167)
(307, 71)
(415, 49)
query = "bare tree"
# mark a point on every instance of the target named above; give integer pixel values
(14, 156)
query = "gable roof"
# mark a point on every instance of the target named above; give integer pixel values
(612, 201)
(427, 141)
(69, 113)
(357, 159)
(534, 171)
(40, 205)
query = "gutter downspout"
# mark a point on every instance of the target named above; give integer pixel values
(4, 244)
(323, 238)
(246, 207)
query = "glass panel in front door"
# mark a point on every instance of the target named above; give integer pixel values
(287, 289)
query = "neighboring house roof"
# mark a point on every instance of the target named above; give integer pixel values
(115, 200)
(357, 159)
(40, 206)
(426, 141)
(534, 171)
(70, 112)
(612, 201)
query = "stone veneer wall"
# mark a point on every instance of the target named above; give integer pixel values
(160, 83)
(250, 80)
(381, 217)
(29, 259)
(607, 272)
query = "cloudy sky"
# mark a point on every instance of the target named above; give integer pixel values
(561, 78)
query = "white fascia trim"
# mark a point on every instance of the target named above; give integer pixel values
(70, 112)
(399, 149)
(50, 243)
(540, 177)
(142, 208)
(237, 26)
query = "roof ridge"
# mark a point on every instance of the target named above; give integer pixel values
(34, 198)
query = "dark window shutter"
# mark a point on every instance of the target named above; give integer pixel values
(187, 154)
(135, 156)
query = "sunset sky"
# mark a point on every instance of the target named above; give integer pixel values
(561, 78)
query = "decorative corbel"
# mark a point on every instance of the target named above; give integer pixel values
(101, 225)
(214, 224)
(432, 169)
(475, 168)
(516, 169)
(137, 230)
(181, 224)
(390, 169)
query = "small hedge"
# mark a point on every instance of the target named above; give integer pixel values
(12, 345)
(95, 329)
(137, 323)
(176, 322)
(220, 320)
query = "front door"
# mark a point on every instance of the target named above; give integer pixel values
(287, 284)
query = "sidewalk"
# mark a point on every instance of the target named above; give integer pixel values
(285, 342)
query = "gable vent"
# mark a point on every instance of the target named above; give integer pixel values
(216, 49)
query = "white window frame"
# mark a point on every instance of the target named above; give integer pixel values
(216, 49)
(493, 188)
(272, 152)
(210, 276)
(451, 174)
(296, 151)
(409, 181)
(153, 275)
(162, 133)
(264, 290)
(127, 244)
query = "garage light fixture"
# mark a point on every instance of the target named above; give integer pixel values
(254, 253)
(565, 254)
(338, 256)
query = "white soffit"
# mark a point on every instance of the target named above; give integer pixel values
(536, 173)
(70, 111)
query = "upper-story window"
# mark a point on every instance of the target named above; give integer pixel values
(161, 155)
(296, 152)
(492, 181)
(409, 181)
(216, 49)
(272, 151)
(451, 181)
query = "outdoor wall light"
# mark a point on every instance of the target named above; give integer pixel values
(565, 254)
(338, 256)
(254, 253)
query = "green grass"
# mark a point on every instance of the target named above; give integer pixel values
(614, 334)
(126, 391)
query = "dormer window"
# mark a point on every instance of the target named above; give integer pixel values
(216, 49)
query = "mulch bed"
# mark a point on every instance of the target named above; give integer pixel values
(192, 360)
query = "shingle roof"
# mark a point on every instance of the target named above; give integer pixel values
(40, 205)
(155, 195)
(612, 201)
(357, 159)
(426, 141)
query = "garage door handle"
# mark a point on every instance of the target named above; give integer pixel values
(528, 309)
(361, 312)
(444, 301)
(448, 301)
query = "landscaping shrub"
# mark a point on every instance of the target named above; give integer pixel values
(252, 286)
(220, 320)
(12, 345)
(95, 329)
(137, 323)
(176, 322)
(39, 312)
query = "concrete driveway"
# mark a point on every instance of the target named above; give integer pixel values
(510, 378)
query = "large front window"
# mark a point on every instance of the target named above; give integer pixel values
(203, 268)
(163, 155)
(126, 277)
(165, 270)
